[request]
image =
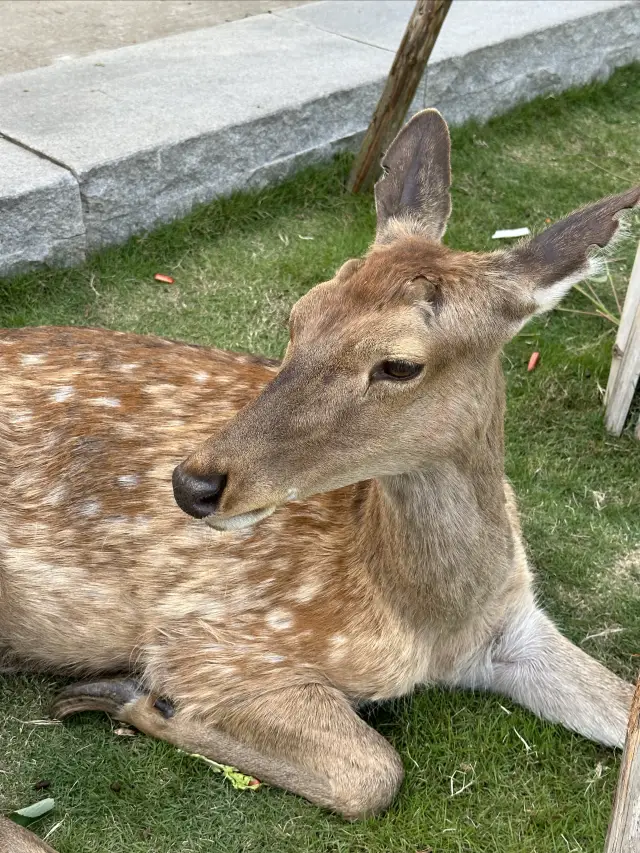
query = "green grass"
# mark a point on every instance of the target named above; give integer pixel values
(239, 264)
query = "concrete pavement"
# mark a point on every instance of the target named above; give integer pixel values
(36, 33)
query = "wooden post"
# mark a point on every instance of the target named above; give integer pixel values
(625, 364)
(405, 75)
(624, 829)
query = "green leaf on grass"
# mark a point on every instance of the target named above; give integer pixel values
(239, 780)
(33, 812)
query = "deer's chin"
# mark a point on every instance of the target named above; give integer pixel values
(239, 522)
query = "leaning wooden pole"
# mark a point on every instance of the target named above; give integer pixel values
(624, 829)
(405, 75)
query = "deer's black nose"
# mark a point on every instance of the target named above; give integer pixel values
(197, 496)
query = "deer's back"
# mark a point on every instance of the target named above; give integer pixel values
(91, 425)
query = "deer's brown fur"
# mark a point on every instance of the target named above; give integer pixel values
(388, 553)
(16, 839)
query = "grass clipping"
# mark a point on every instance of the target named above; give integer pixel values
(240, 781)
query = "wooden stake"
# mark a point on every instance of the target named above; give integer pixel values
(625, 363)
(405, 75)
(626, 379)
(624, 829)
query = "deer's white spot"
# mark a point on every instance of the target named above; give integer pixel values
(307, 591)
(65, 392)
(337, 646)
(270, 658)
(107, 402)
(22, 417)
(90, 508)
(127, 368)
(32, 358)
(201, 377)
(128, 480)
(55, 496)
(280, 620)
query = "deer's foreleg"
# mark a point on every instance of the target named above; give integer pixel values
(533, 664)
(307, 740)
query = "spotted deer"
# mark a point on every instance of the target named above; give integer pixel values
(342, 530)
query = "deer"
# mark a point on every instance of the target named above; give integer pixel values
(236, 554)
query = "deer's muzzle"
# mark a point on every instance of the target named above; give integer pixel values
(195, 495)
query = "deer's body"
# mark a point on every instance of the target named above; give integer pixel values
(359, 538)
(83, 495)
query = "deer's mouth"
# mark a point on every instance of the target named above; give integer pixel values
(239, 522)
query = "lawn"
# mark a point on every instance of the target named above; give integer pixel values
(483, 776)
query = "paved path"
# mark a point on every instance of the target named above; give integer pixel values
(42, 32)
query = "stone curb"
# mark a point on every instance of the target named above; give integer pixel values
(109, 145)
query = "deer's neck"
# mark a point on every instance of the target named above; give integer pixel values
(438, 539)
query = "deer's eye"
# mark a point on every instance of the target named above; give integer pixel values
(399, 371)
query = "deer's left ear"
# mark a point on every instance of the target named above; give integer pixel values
(549, 264)
(413, 192)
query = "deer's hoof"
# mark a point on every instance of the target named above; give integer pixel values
(108, 695)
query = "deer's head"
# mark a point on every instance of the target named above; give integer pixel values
(394, 362)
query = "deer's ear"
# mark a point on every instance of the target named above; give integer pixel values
(414, 189)
(549, 264)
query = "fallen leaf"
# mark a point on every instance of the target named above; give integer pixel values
(31, 813)
(165, 278)
(125, 732)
